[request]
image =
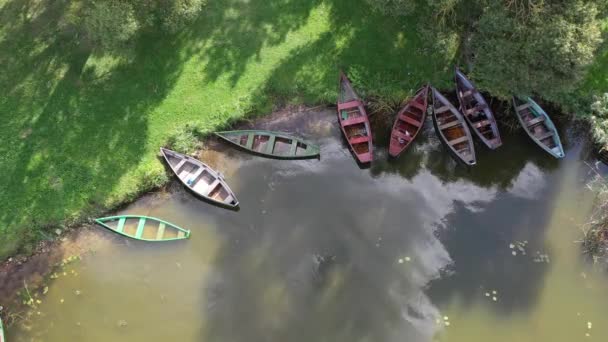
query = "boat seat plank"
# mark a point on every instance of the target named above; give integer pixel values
(353, 121)
(212, 186)
(293, 148)
(249, 141)
(121, 224)
(411, 121)
(418, 105)
(270, 145)
(350, 104)
(358, 140)
(161, 231)
(195, 176)
(466, 93)
(544, 136)
(536, 121)
(140, 228)
(179, 165)
(482, 123)
(449, 124)
(442, 109)
(522, 107)
(459, 140)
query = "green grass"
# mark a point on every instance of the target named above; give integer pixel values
(81, 127)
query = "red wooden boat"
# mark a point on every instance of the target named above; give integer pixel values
(354, 121)
(409, 122)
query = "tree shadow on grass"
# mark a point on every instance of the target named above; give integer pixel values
(73, 125)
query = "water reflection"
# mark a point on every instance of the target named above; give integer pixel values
(321, 250)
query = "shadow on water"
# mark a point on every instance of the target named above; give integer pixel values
(81, 124)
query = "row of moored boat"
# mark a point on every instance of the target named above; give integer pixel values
(453, 125)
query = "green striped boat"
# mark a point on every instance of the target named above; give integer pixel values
(271, 144)
(143, 228)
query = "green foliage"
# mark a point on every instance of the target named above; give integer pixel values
(186, 139)
(175, 14)
(394, 7)
(599, 119)
(545, 51)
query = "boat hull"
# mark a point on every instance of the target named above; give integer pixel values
(354, 122)
(538, 125)
(408, 123)
(270, 144)
(143, 228)
(476, 112)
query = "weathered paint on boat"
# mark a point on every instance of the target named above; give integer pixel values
(476, 111)
(409, 122)
(354, 121)
(452, 129)
(143, 228)
(200, 178)
(271, 144)
(538, 126)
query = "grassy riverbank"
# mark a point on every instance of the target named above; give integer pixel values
(81, 126)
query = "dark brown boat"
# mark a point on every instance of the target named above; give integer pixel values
(477, 112)
(409, 122)
(452, 128)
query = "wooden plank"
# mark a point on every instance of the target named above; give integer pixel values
(358, 140)
(294, 147)
(418, 105)
(212, 186)
(466, 93)
(544, 136)
(459, 140)
(193, 177)
(481, 123)
(161, 231)
(121, 224)
(535, 121)
(140, 228)
(353, 121)
(180, 164)
(270, 146)
(449, 124)
(442, 109)
(249, 141)
(348, 105)
(411, 121)
(522, 107)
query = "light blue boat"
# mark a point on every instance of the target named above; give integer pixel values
(539, 126)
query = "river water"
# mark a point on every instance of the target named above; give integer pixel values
(415, 249)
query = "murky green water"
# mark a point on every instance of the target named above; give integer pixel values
(324, 251)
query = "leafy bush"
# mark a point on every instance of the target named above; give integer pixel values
(186, 139)
(599, 118)
(175, 14)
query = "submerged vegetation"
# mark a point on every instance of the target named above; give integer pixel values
(595, 232)
(91, 89)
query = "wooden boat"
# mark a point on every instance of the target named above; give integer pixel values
(2, 339)
(271, 144)
(477, 112)
(144, 228)
(409, 122)
(200, 178)
(452, 128)
(354, 122)
(539, 126)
